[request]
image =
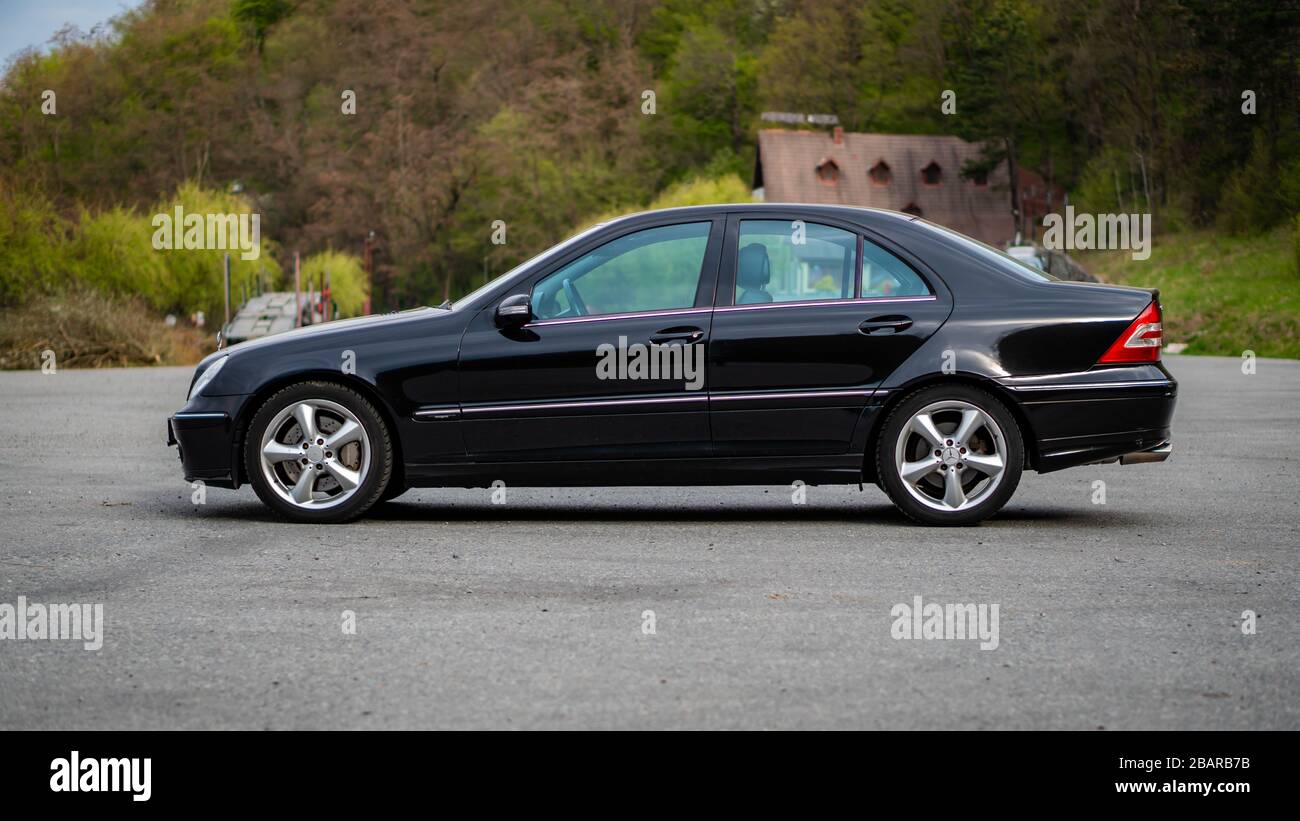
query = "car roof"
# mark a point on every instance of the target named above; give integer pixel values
(845, 212)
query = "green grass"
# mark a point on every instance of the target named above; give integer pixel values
(1221, 294)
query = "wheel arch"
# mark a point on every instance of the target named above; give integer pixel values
(1000, 393)
(352, 382)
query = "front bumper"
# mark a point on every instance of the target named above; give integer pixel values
(206, 439)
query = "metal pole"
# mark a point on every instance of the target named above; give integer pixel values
(226, 276)
(368, 254)
(297, 291)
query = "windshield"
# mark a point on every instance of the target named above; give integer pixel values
(554, 249)
(998, 259)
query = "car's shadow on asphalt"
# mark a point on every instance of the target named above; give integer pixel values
(413, 511)
(417, 511)
(868, 514)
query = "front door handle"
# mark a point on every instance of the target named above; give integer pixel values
(685, 334)
(880, 325)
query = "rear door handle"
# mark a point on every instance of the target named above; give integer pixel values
(685, 334)
(880, 325)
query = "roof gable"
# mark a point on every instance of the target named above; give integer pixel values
(787, 166)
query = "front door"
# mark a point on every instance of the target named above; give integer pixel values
(612, 364)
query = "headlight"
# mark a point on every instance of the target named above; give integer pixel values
(206, 377)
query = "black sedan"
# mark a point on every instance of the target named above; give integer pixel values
(721, 345)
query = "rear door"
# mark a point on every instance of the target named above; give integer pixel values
(811, 316)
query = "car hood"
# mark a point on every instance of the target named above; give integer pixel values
(326, 333)
(332, 329)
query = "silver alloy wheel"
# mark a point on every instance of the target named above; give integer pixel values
(315, 454)
(951, 455)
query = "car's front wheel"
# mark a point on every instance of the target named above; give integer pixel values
(949, 455)
(318, 452)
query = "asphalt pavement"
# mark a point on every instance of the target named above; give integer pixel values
(1120, 605)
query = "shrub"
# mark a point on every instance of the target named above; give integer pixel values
(704, 191)
(696, 191)
(112, 251)
(1255, 195)
(348, 283)
(33, 246)
(194, 277)
(1295, 239)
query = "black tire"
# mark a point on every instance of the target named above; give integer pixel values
(896, 425)
(379, 467)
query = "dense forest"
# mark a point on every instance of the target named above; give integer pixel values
(536, 113)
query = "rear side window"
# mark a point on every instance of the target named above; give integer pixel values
(794, 261)
(885, 275)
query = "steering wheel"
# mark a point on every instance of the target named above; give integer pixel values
(575, 301)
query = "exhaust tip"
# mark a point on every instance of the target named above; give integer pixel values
(1159, 453)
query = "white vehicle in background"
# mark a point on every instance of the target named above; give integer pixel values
(1057, 263)
(1028, 254)
(271, 313)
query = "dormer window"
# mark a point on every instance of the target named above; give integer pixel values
(932, 174)
(880, 173)
(828, 172)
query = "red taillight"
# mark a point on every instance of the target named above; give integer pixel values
(1140, 341)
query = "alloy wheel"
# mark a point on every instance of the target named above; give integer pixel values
(951, 455)
(315, 454)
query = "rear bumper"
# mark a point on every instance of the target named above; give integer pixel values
(1103, 415)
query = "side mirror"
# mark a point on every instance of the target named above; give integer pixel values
(515, 311)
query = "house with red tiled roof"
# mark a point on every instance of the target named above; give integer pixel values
(916, 173)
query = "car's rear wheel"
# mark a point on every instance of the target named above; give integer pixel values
(318, 452)
(949, 455)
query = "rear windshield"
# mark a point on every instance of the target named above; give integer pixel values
(998, 259)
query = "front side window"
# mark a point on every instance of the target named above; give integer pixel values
(652, 270)
(794, 261)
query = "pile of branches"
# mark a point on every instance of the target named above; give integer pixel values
(89, 329)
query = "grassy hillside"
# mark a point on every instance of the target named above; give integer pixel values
(1221, 294)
